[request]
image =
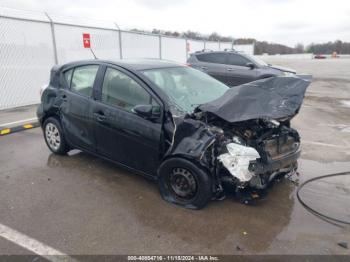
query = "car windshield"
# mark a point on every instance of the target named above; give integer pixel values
(186, 87)
(257, 60)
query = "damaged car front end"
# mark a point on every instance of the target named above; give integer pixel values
(243, 139)
(251, 155)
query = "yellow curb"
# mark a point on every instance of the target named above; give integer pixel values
(5, 131)
(28, 126)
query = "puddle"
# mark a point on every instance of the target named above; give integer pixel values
(329, 196)
(346, 129)
(345, 103)
(340, 127)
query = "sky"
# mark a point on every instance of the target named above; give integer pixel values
(280, 21)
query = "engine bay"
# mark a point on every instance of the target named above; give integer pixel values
(251, 155)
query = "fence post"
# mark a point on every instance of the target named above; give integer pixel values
(160, 47)
(120, 41)
(186, 43)
(219, 45)
(204, 44)
(53, 38)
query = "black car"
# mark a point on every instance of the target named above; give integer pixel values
(235, 68)
(194, 135)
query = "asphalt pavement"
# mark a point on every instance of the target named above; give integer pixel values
(80, 204)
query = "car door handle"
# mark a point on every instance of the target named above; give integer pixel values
(204, 67)
(100, 117)
(230, 69)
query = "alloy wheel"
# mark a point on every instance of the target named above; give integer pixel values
(53, 136)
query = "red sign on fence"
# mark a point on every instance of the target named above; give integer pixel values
(86, 40)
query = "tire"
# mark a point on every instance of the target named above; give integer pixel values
(54, 136)
(183, 183)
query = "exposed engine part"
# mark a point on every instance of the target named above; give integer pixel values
(237, 160)
(243, 157)
(275, 122)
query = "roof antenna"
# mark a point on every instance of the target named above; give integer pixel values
(93, 53)
(87, 43)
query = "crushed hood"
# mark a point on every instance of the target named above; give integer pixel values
(271, 98)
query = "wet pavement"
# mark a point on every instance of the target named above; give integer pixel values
(15, 116)
(80, 204)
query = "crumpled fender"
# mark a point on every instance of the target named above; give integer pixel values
(191, 139)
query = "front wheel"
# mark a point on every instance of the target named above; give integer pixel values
(54, 136)
(183, 183)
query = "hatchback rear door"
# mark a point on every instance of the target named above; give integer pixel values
(75, 108)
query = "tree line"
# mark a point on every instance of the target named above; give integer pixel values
(261, 47)
(329, 47)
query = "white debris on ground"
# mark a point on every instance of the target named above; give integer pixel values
(346, 103)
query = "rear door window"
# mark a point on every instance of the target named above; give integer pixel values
(120, 90)
(217, 58)
(83, 79)
(237, 60)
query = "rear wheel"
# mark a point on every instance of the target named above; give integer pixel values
(54, 136)
(183, 183)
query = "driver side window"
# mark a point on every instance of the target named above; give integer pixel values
(120, 90)
(237, 60)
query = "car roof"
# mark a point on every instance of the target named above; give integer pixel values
(226, 51)
(131, 64)
(208, 51)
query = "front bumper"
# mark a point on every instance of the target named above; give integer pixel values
(260, 167)
(265, 174)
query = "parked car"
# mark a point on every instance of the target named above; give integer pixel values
(197, 137)
(234, 68)
(319, 56)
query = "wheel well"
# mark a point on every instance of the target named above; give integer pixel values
(193, 161)
(48, 116)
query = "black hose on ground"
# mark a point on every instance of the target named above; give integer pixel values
(331, 220)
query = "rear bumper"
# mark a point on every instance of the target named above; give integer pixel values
(40, 114)
(259, 167)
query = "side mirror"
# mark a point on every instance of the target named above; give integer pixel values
(147, 111)
(250, 65)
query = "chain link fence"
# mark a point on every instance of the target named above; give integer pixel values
(32, 42)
